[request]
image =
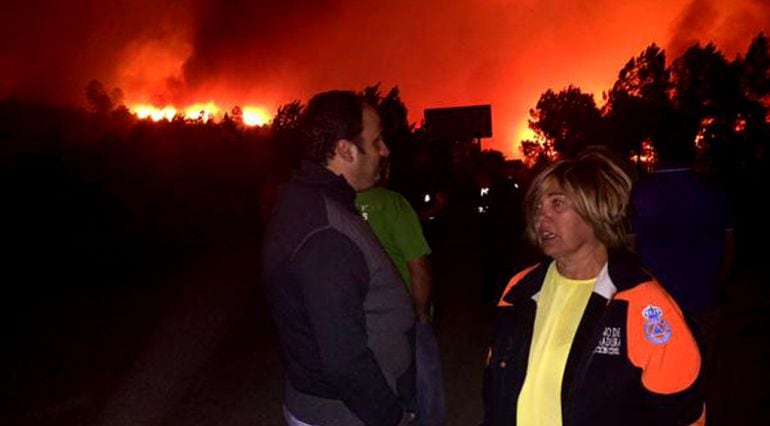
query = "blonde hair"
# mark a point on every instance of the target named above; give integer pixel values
(598, 187)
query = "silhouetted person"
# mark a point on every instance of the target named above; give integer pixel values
(683, 231)
(425, 186)
(396, 225)
(501, 225)
(343, 315)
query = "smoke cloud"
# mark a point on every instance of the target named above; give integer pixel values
(730, 25)
(267, 53)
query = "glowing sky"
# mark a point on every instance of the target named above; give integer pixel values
(241, 52)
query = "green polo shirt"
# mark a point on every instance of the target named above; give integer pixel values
(396, 225)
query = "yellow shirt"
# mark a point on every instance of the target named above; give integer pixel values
(560, 307)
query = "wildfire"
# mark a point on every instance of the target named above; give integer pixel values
(255, 116)
(153, 113)
(251, 115)
(740, 125)
(203, 112)
(701, 135)
(647, 157)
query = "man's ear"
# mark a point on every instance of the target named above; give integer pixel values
(344, 149)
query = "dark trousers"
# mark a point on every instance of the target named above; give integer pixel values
(430, 384)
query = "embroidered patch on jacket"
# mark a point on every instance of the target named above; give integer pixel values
(609, 344)
(656, 329)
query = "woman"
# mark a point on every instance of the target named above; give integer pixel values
(588, 337)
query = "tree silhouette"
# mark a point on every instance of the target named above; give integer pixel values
(394, 115)
(287, 117)
(236, 115)
(392, 110)
(286, 139)
(396, 130)
(705, 84)
(643, 77)
(708, 97)
(97, 97)
(372, 94)
(753, 124)
(568, 120)
(755, 69)
(638, 107)
(536, 153)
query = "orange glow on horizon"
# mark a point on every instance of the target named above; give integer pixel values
(477, 52)
(145, 111)
(255, 116)
(201, 111)
(518, 133)
(252, 115)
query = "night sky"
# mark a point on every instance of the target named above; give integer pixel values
(267, 53)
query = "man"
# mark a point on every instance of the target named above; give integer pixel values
(396, 225)
(344, 319)
(683, 231)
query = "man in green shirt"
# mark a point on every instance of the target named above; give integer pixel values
(396, 225)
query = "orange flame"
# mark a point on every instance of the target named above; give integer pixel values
(145, 111)
(252, 115)
(203, 112)
(255, 116)
(647, 157)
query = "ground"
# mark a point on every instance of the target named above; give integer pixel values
(193, 345)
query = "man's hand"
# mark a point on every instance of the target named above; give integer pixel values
(408, 419)
(419, 270)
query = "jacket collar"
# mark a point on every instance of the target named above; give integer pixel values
(622, 272)
(332, 185)
(528, 286)
(625, 271)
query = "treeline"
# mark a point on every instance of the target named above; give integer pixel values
(98, 192)
(91, 198)
(95, 195)
(699, 103)
(700, 107)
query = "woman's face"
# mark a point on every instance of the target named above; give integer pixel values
(561, 232)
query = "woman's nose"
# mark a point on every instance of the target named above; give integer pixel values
(541, 213)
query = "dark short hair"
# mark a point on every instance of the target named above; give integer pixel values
(329, 117)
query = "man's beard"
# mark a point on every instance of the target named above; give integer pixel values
(383, 171)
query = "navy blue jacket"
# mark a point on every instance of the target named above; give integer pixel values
(633, 360)
(344, 320)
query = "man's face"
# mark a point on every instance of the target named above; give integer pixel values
(366, 163)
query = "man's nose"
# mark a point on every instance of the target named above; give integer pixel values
(384, 151)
